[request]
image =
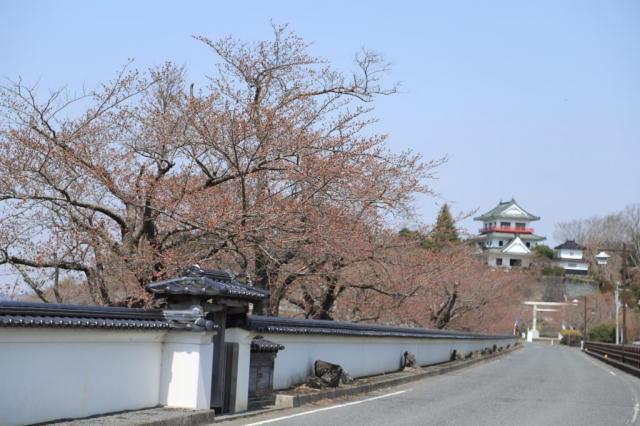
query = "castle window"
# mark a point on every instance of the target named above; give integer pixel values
(500, 243)
(499, 261)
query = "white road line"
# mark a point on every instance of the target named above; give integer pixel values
(612, 373)
(277, 419)
(636, 408)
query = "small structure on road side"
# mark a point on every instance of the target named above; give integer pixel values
(533, 332)
(261, 363)
(506, 240)
(569, 256)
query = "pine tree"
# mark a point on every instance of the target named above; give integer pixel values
(446, 226)
(444, 232)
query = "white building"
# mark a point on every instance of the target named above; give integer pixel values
(506, 239)
(569, 257)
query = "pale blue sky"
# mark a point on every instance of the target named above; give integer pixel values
(535, 100)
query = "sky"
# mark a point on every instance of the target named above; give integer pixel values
(539, 101)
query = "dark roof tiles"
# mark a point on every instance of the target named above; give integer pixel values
(207, 283)
(260, 344)
(279, 325)
(569, 245)
(51, 315)
(72, 322)
(498, 212)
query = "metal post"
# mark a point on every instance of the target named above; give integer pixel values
(584, 321)
(617, 313)
(624, 299)
(624, 323)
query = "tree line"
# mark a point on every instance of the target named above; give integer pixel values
(271, 170)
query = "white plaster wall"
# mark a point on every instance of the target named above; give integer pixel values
(583, 266)
(526, 261)
(361, 356)
(570, 254)
(517, 247)
(491, 260)
(187, 361)
(48, 374)
(243, 338)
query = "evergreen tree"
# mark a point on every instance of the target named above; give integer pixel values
(445, 229)
(444, 232)
(544, 250)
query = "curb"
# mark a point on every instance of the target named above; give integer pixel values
(160, 416)
(196, 418)
(291, 401)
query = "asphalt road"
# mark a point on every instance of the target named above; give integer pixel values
(538, 385)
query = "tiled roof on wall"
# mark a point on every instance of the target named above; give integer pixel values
(52, 315)
(207, 283)
(279, 325)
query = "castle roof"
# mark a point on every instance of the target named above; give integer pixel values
(569, 245)
(507, 210)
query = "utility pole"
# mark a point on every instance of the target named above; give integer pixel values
(624, 324)
(624, 298)
(617, 313)
(584, 321)
(621, 291)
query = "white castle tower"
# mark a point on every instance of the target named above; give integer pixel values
(506, 239)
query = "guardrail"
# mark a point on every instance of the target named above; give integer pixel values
(625, 357)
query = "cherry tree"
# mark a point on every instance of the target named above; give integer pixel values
(270, 171)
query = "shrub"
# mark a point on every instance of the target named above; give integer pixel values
(548, 330)
(570, 337)
(553, 270)
(603, 333)
(544, 250)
